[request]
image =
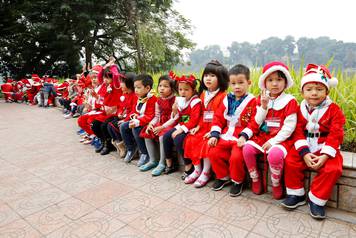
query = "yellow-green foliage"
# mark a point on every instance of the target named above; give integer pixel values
(344, 95)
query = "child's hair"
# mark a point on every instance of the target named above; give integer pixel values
(107, 73)
(282, 75)
(146, 79)
(128, 80)
(240, 69)
(171, 82)
(215, 67)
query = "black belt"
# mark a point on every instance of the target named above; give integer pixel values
(316, 135)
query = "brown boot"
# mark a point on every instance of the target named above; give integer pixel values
(122, 149)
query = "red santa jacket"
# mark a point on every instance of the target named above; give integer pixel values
(319, 130)
(188, 113)
(276, 124)
(229, 127)
(209, 104)
(142, 116)
(126, 104)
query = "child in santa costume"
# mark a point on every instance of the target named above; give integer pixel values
(126, 104)
(8, 90)
(141, 114)
(113, 92)
(94, 103)
(229, 133)
(186, 114)
(158, 126)
(317, 140)
(212, 92)
(274, 123)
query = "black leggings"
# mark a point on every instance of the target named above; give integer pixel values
(178, 142)
(100, 129)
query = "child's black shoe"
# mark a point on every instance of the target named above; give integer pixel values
(219, 184)
(236, 189)
(316, 211)
(170, 169)
(293, 201)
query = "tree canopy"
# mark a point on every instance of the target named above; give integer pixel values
(319, 50)
(40, 36)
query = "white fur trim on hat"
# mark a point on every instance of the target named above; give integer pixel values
(262, 79)
(317, 78)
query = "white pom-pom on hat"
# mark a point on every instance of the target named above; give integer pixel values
(333, 82)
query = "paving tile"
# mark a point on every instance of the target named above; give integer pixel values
(238, 211)
(164, 187)
(94, 225)
(278, 222)
(200, 200)
(333, 228)
(82, 183)
(58, 215)
(38, 201)
(19, 228)
(7, 215)
(167, 220)
(64, 175)
(207, 227)
(128, 232)
(104, 193)
(132, 205)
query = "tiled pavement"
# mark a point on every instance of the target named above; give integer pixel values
(53, 186)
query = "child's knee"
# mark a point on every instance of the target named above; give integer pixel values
(275, 156)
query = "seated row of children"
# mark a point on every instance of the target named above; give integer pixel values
(220, 132)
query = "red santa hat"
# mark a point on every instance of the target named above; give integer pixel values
(96, 69)
(273, 67)
(9, 80)
(318, 74)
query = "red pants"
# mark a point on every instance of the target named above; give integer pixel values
(226, 159)
(84, 122)
(322, 184)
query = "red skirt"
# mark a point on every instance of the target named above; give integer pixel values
(196, 146)
(151, 135)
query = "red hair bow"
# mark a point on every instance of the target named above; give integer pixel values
(183, 79)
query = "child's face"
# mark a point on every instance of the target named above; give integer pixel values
(185, 90)
(94, 81)
(164, 89)
(107, 80)
(123, 87)
(275, 84)
(239, 84)
(314, 93)
(140, 89)
(211, 81)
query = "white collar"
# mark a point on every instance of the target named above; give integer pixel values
(209, 95)
(280, 102)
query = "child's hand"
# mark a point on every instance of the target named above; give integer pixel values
(319, 161)
(149, 128)
(194, 130)
(308, 159)
(132, 124)
(241, 141)
(206, 136)
(176, 132)
(266, 146)
(120, 122)
(157, 129)
(175, 108)
(212, 141)
(264, 99)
